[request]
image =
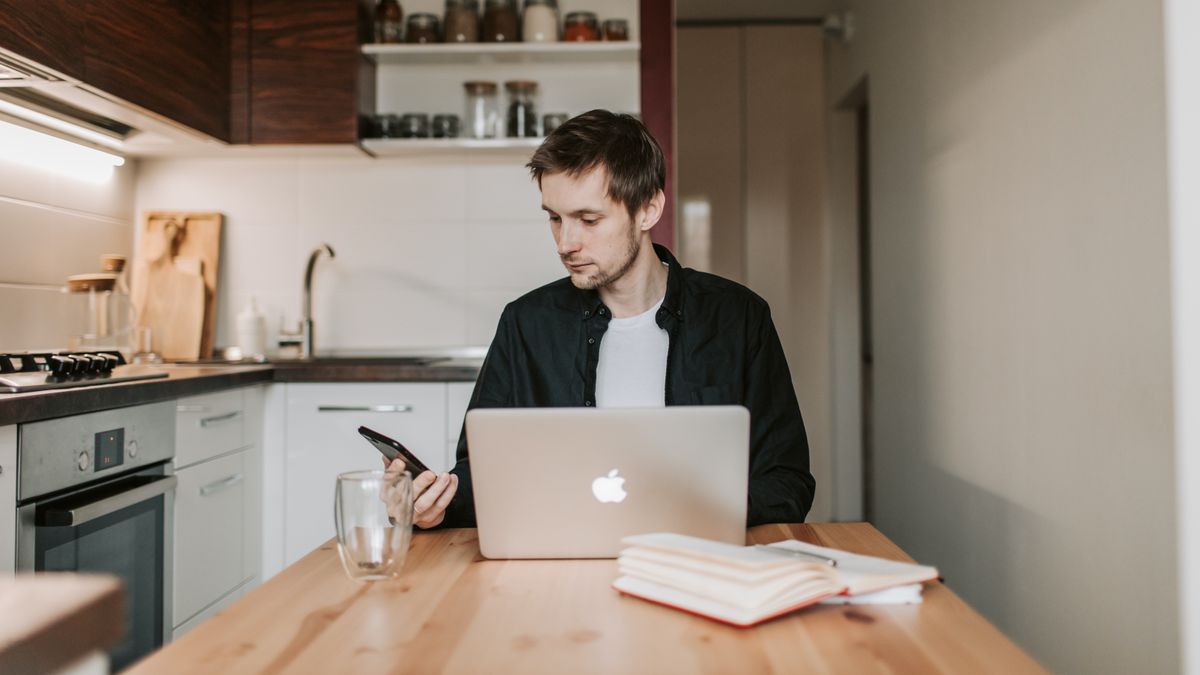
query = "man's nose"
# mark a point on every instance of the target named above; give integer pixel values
(568, 239)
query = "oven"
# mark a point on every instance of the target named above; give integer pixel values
(96, 494)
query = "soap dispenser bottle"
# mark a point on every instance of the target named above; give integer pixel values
(252, 331)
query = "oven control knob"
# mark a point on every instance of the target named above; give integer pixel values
(133, 449)
(84, 461)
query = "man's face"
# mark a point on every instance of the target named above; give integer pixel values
(597, 240)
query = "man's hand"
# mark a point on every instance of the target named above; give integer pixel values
(431, 495)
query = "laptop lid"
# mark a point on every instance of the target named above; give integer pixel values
(572, 482)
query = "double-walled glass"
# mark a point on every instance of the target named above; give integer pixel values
(373, 514)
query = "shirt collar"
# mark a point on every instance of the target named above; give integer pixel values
(590, 304)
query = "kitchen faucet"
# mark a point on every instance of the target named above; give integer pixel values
(305, 334)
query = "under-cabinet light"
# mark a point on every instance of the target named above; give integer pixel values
(51, 153)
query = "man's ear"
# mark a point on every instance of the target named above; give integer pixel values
(652, 211)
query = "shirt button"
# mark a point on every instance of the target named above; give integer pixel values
(601, 311)
(587, 312)
(587, 403)
(591, 341)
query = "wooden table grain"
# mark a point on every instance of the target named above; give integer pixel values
(454, 612)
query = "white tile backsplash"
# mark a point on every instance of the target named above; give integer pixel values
(503, 192)
(429, 249)
(512, 256)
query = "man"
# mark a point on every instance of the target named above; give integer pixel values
(629, 326)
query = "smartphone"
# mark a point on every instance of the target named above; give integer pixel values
(391, 449)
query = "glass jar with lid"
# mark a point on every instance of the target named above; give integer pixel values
(581, 27)
(522, 114)
(500, 21)
(616, 30)
(462, 21)
(540, 21)
(482, 113)
(423, 29)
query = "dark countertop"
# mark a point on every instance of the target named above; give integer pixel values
(189, 380)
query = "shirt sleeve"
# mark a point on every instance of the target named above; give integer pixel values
(493, 389)
(781, 486)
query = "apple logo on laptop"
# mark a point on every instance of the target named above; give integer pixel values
(609, 488)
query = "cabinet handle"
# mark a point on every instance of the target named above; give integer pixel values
(209, 421)
(403, 408)
(191, 408)
(223, 484)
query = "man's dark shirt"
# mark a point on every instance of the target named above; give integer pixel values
(723, 350)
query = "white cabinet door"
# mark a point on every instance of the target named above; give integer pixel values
(323, 441)
(8, 499)
(210, 522)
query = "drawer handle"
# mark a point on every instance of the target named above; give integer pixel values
(209, 421)
(223, 484)
(366, 408)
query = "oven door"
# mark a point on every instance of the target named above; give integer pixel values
(121, 527)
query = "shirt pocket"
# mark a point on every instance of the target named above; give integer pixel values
(713, 394)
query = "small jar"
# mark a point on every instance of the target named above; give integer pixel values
(500, 21)
(616, 30)
(482, 110)
(522, 115)
(552, 121)
(540, 21)
(581, 27)
(462, 21)
(389, 21)
(422, 29)
(414, 125)
(387, 126)
(445, 126)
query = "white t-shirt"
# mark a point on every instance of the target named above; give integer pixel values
(632, 372)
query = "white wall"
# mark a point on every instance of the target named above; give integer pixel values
(1182, 21)
(1023, 398)
(53, 225)
(428, 250)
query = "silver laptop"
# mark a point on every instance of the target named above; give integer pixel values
(571, 482)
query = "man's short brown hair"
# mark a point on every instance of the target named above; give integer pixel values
(619, 143)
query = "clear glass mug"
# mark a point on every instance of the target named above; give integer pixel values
(373, 514)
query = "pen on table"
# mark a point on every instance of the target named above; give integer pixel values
(832, 562)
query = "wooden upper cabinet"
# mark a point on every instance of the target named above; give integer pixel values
(304, 78)
(49, 32)
(168, 56)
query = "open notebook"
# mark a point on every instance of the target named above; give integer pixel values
(745, 585)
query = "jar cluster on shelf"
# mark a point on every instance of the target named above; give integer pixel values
(481, 119)
(499, 21)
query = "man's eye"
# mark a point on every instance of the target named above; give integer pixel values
(589, 221)
(555, 219)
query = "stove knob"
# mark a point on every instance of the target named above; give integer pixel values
(83, 363)
(62, 365)
(110, 362)
(133, 449)
(95, 363)
(84, 461)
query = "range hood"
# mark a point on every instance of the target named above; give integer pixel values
(34, 96)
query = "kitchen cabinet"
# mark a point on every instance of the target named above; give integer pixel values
(49, 32)
(168, 56)
(8, 499)
(297, 71)
(218, 508)
(322, 441)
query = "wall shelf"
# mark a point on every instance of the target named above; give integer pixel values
(514, 52)
(403, 147)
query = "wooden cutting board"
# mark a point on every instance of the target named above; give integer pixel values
(175, 281)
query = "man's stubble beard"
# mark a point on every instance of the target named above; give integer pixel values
(602, 278)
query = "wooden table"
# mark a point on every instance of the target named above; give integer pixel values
(452, 611)
(50, 620)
